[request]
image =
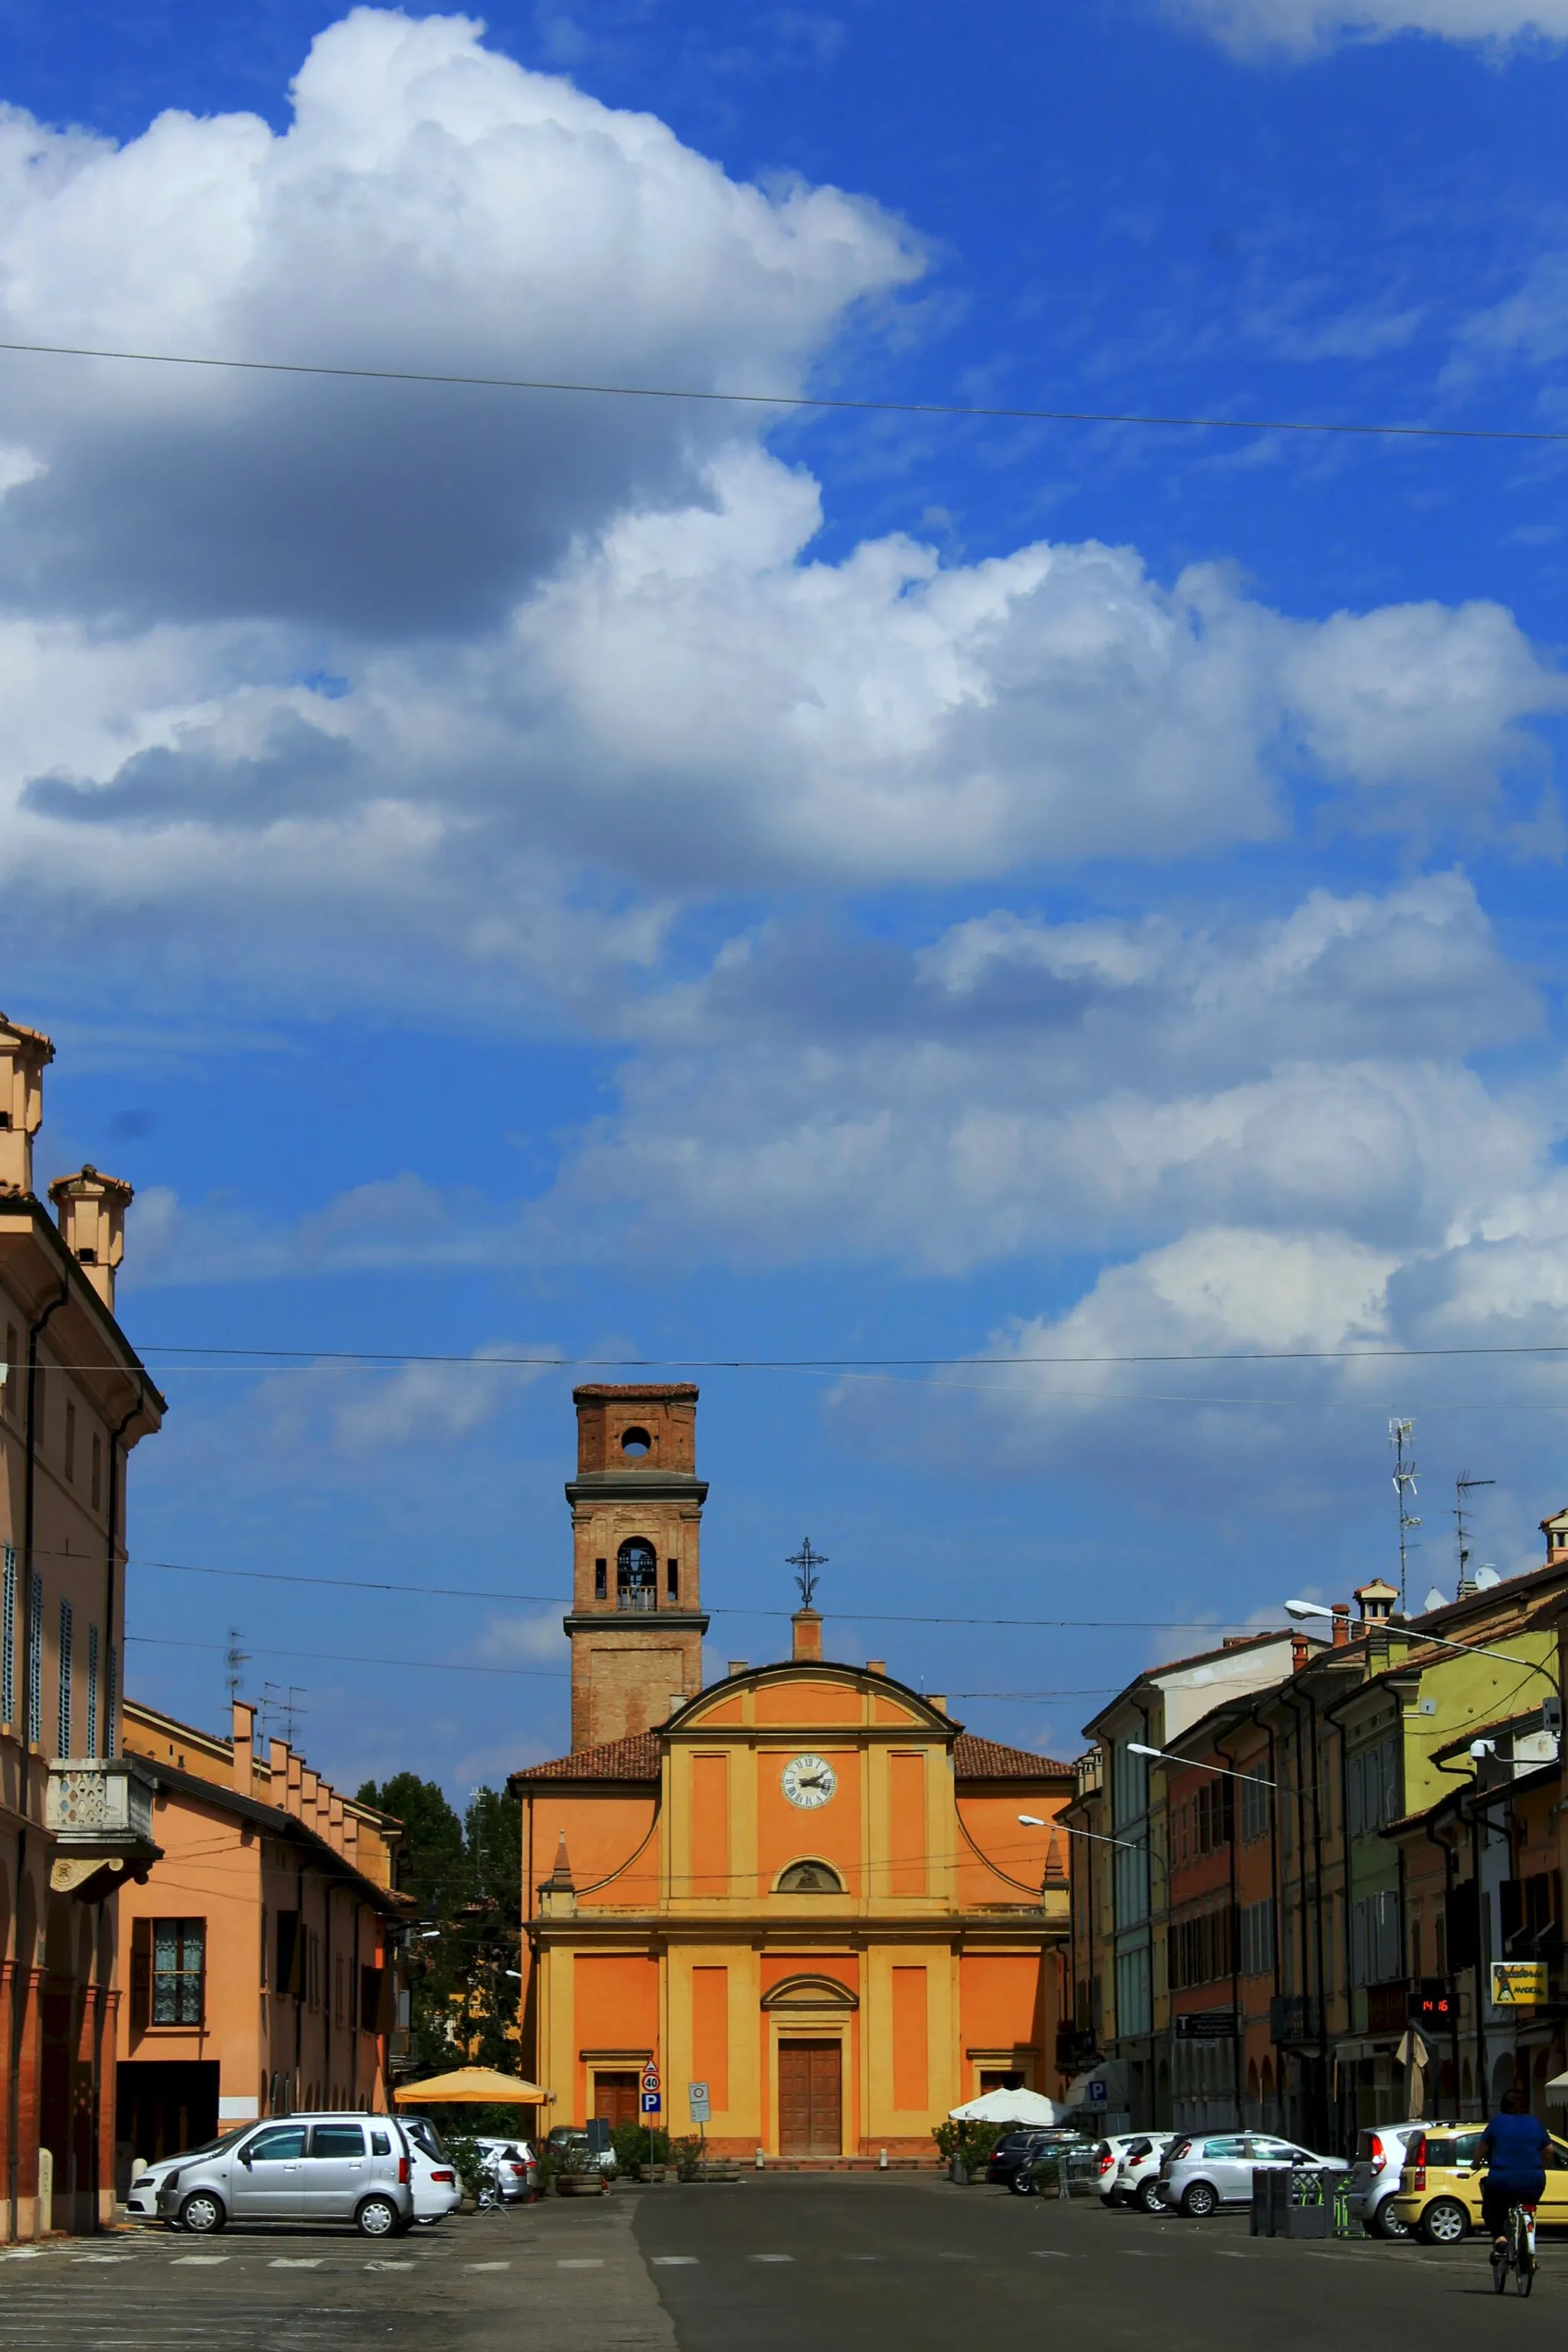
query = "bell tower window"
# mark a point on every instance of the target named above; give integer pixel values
(636, 1575)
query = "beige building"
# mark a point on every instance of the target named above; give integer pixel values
(76, 1817)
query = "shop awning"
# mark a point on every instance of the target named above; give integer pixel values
(472, 2086)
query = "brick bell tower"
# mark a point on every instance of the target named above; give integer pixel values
(636, 1626)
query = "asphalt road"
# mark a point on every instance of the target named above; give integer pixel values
(775, 2263)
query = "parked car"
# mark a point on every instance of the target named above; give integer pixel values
(513, 2167)
(1008, 2165)
(1108, 2156)
(1199, 2174)
(1136, 2180)
(433, 2176)
(1374, 2177)
(316, 2168)
(1439, 2191)
(566, 2140)
(143, 2199)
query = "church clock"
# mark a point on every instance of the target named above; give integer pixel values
(808, 1781)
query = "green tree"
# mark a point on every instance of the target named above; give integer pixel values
(465, 1878)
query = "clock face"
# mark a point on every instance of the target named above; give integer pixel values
(808, 1781)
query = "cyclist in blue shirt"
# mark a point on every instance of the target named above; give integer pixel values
(1513, 2149)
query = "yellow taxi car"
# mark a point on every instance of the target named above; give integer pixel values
(1439, 2191)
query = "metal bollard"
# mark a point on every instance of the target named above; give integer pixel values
(1064, 2177)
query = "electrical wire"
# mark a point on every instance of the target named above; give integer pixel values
(798, 400)
(311, 1357)
(558, 1600)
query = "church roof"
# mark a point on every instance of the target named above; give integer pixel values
(639, 1759)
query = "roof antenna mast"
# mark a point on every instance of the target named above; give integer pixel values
(1462, 1485)
(1401, 1436)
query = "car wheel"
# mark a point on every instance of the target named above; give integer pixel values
(202, 2213)
(1444, 2221)
(377, 2217)
(1386, 2223)
(1022, 2186)
(1200, 2200)
(1150, 2199)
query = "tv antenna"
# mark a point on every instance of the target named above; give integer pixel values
(233, 1658)
(1462, 1485)
(282, 1707)
(807, 1562)
(1401, 1436)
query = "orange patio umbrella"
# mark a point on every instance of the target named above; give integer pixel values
(472, 2086)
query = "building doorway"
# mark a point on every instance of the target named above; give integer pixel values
(164, 2106)
(615, 2099)
(811, 2120)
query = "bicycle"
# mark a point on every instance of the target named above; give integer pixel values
(1518, 2252)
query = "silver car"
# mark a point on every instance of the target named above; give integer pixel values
(1197, 2175)
(317, 2167)
(1137, 2181)
(1375, 2176)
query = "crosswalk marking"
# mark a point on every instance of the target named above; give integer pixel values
(392, 2266)
(770, 2258)
(295, 2262)
(669, 2261)
(103, 2258)
(486, 2266)
(583, 2262)
(198, 2261)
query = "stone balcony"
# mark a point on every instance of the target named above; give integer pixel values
(98, 1812)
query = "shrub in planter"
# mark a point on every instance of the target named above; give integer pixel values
(469, 2164)
(687, 2155)
(970, 2142)
(638, 2149)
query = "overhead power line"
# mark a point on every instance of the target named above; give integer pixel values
(306, 1358)
(1217, 1626)
(793, 400)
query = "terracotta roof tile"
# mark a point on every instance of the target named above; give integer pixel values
(987, 1759)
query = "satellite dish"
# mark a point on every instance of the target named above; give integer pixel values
(1435, 1599)
(1486, 1578)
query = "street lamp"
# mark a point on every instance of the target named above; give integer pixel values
(1034, 1822)
(1136, 1747)
(1300, 1609)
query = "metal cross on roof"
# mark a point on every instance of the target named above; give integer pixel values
(807, 1561)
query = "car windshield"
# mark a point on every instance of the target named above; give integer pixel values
(204, 2147)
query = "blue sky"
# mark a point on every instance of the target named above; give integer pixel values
(514, 875)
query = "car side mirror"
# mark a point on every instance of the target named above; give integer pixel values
(246, 2159)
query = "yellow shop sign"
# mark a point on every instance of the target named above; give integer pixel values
(1518, 1984)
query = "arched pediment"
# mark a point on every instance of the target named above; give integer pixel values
(811, 1992)
(809, 1875)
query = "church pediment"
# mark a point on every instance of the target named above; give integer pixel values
(811, 1992)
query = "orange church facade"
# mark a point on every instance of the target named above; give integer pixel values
(805, 1886)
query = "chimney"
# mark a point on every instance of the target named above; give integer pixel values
(292, 1797)
(24, 1055)
(876, 1666)
(335, 1822)
(937, 1699)
(91, 1211)
(1301, 1650)
(277, 1770)
(1342, 1624)
(807, 1624)
(243, 1738)
(739, 1666)
(351, 1837)
(1375, 1602)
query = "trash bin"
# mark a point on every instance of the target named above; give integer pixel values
(1289, 2201)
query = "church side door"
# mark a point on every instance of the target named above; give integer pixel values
(615, 2099)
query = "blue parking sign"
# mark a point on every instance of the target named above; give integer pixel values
(650, 2103)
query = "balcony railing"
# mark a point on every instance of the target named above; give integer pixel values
(638, 1600)
(98, 1813)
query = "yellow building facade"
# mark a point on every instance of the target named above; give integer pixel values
(804, 1885)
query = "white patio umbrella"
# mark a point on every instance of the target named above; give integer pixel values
(1008, 2107)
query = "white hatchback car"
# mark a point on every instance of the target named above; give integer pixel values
(1198, 2175)
(1109, 2157)
(432, 2175)
(1375, 2176)
(1137, 2181)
